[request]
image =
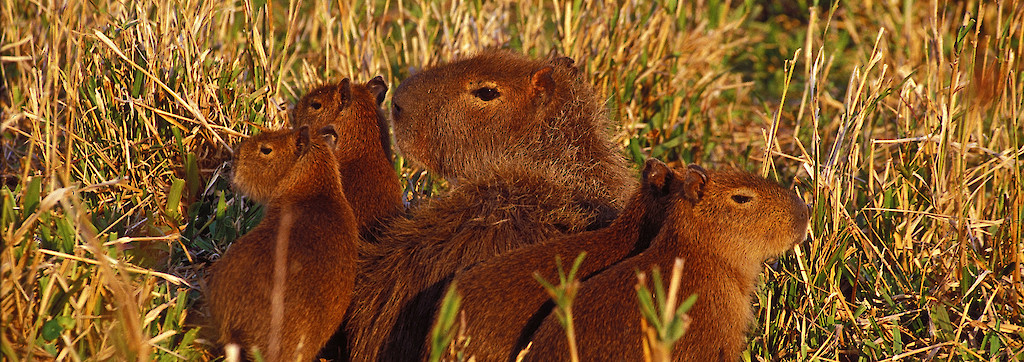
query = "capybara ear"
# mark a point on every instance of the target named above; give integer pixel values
(344, 93)
(378, 88)
(569, 64)
(693, 185)
(657, 175)
(564, 62)
(301, 139)
(543, 83)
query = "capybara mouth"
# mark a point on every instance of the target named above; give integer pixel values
(800, 236)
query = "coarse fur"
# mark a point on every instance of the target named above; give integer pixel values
(320, 235)
(542, 111)
(503, 302)
(724, 228)
(364, 155)
(529, 163)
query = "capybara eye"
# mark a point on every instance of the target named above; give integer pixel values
(740, 199)
(486, 93)
(315, 105)
(266, 150)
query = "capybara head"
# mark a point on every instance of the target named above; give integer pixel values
(459, 117)
(263, 161)
(754, 217)
(353, 110)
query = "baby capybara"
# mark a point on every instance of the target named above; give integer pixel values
(724, 228)
(308, 213)
(364, 155)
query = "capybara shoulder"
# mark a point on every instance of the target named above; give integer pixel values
(724, 227)
(500, 296)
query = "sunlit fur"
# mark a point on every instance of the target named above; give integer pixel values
(321, 249)
(364, 146)
(529, 165)
(502, 301)
(723, 243)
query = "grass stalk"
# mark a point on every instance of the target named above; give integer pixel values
(563, 295)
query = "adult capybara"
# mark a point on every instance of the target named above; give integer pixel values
(525, 145)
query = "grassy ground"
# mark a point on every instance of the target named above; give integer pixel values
(899, 120)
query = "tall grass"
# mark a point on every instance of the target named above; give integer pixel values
(899, 121)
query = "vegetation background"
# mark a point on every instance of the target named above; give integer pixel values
(900, 120)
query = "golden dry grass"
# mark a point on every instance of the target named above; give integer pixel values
(899, 120)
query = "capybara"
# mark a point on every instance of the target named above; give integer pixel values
(724, 228)
(309, 221)
(525, 145)
(364, 157)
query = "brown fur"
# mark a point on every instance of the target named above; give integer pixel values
(364, 147)
(532, 165)
(724, 244)
(544, 112)
(321, 249)
(503, 302)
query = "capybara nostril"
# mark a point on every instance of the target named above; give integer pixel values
(396, 109)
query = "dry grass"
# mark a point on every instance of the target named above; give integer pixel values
(899, 120)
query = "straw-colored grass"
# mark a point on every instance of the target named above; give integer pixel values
(899, 120)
